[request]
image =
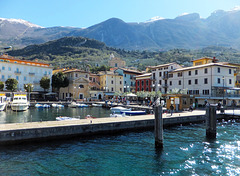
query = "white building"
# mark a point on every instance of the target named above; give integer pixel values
(160, 76)
(24, 72)
(206, 79)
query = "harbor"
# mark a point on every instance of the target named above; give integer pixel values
(45, 130)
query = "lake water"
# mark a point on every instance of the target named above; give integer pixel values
(186, 152)
(50, 114)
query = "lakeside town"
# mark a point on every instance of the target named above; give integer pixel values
(207, 80)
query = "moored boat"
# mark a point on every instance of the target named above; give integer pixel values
(65, 118)
(3, 102)
(20, 102)
(119, 109)
(54, 105)
(97, 105)
(133, 113)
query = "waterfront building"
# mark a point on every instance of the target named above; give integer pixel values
(95, 91)
(78, 87)
(208, 80)
(128, 78)
(111, 82)
(160, 76)
(144, 82)
(24, 72)
(116, 62)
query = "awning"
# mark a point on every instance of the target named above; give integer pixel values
(109, 93)
(131, 95)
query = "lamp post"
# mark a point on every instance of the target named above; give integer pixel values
(223, 88)
(29, 87)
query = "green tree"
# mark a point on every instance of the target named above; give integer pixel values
(11, 84)
(1, 85)
(59, 80)
(45, 83)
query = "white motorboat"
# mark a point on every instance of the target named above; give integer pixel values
(20, 102)
(65, 118)
(73, 105)
(97, 105)
(117, 115)
(3, 102)
(119, 109)
(54, 105)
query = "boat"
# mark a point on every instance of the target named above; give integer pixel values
(38, 105)
(118, 115)
(133, 113)
(90, 117)
(119, 109)
(82, 105)
(97, 105)
(65, 118)
(20, 102)
(3, 102)
(54, 105)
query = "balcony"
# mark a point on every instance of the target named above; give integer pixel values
(31, 73)
(165, 77)
(17, 72)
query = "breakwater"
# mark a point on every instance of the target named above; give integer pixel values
(35, 131)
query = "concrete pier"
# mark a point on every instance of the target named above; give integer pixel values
(35, 131)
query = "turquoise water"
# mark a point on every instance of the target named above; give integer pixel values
(50, 114)
(186, 152)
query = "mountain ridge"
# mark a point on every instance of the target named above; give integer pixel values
(190, 31)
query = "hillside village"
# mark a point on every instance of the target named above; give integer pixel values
(207, 79)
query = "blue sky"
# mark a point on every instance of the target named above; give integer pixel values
(85, 13)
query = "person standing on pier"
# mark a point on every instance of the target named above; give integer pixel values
(171, 109)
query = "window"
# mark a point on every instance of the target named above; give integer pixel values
(3, 68)
(121, 89)
(120, 82)
(219, 81)
(189, 82)
(138, 89)
(142, 82)
(115, 64)
(153, 76)
(230, 81)
(205, 70)
(25, 78)
(147, 82)
(2, 76)
(138, 83)
(160, 82)
(170, 83)
(230, 71)
(112, 89)
(76, 75)
(179, 74)
(81, 86)
(17, 77)
(189, 73)
(196, 72)
(179, 82)
(147, 89)
(112, 82)
(160, 74)
(205, 92)
(196, 81)
(205, 80)
(170, 75)
(219, 70)
(9, 68)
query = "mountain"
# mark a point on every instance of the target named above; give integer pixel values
(221, 28)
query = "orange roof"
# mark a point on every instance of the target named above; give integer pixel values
(11, 59)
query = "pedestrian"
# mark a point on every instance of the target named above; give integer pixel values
(171, 109)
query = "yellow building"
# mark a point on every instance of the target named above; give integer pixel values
(204, 60)
(110, 83)
(78, 85)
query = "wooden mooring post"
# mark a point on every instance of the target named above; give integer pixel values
(158, 127)
(211, 122)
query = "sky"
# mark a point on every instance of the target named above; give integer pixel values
(85, 13)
